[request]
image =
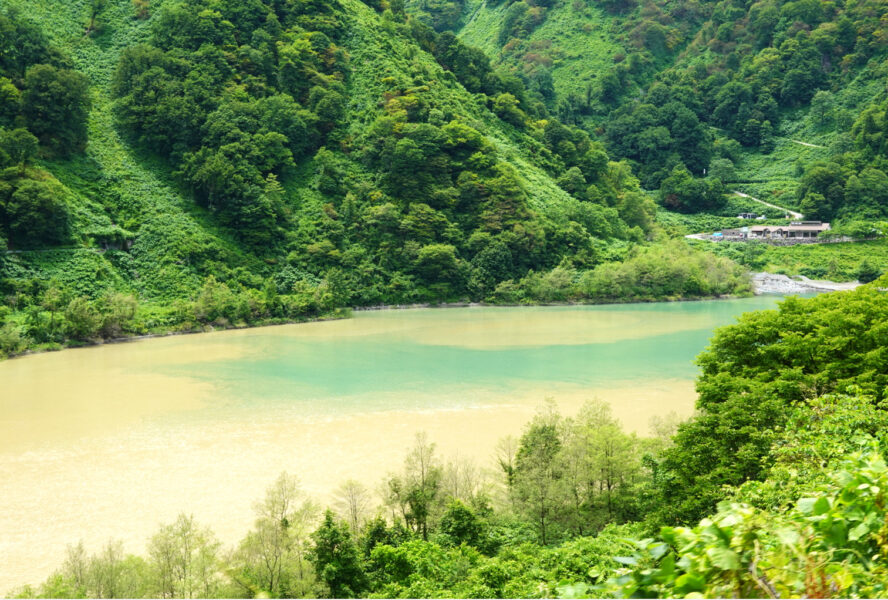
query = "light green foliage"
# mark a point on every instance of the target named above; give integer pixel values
(571, 477)
(184, 561)
(273, 557)
(671, 270)
(417, 493)
(836, 261)
(107, 574)
(817, 438)
(831, 543)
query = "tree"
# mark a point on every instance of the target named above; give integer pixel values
(461, 525)
(53, 301)
(35, 214)
(722, 169)
(76, 569)
(20, 146)
(106, 572)
(461, 480)
(336, 559)
(612, 460)
(539, 485)
(822, 105)
(868, 272)
(272, 557)
(416, 492)
(118, 311)
(437, 263)
(681, 191)
(95, 9)
(184, 560)
(56, 105)
(83, 320)
(505, 106)
(352, 502)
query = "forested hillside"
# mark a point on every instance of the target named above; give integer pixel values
(174, 164)
(177, 164)
(732, 87)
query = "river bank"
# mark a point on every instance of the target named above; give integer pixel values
(762, 283)
(773, 283)
(335, 315)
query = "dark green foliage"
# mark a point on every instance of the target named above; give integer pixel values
(752, 373)
(55, 105)
(33, 213)
(440, 15)
(336, 559)
(22, 44)
(461, 525)
(179, 96)
(867, 272)
(661, 138)
(681, 192)
(17, 147)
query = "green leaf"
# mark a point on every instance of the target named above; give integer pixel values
(573, 590)
(787, 536)
(821, 506)
(858, 532)
(667, 568)
(658, 550)
(724, 558)
(806, 505)
(689, 582)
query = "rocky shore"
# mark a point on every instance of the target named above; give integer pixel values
(771, 283)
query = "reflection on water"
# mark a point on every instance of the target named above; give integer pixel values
(110, 441)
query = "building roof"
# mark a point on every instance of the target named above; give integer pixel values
(798, 226)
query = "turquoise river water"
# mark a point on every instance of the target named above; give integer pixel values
(109, 442)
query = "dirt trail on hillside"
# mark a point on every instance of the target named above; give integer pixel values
(794, 214)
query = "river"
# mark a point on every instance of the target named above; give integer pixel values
(110, 441)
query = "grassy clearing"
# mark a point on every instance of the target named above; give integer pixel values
(575, 36)
(838, 262)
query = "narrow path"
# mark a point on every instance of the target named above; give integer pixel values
(800, 143)
(70, 249)
(794, 214)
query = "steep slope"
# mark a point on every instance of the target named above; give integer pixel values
(777, 85)
(563, 57)
(246, 163)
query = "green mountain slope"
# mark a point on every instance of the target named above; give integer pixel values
(787, 81)
(230, 162)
